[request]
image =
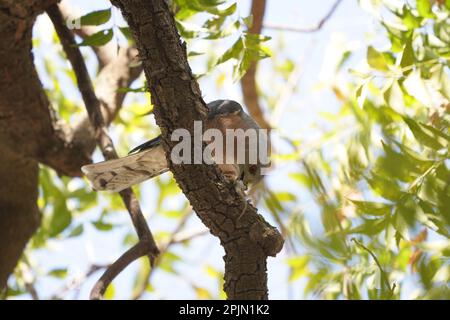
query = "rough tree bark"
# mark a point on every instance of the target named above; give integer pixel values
(27, 133)
(28, 124)
(177, 98)
(146, 244)
(31, 133)
(19, 216)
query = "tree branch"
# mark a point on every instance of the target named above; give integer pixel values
(19, 215)
(106, 53)
(29, 132)
(316, 28)
(118, 73)
(139, 250)
(76, 283)
(384, 276)
(118, 69)
(177, 99)
(164, 248)
(248, 81)
(28, 124)
(105, 143)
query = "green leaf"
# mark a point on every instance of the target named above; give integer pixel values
(442, 30)
(220, 31)
(126, 31)
(244, 51)
(285, 196)
(98, 39)
(372, 208)
(408, 58)
(189, 30)
(174, 214)
(427, 135)
(414, 156)
(376, 59)
(96, 18)
(195, 53)
(387, 188)
(409, 19)
(58, 273)
(242, 66)
(110, 292)
(211, 7)
(442, 81)
(213, 273)
(86, 198)
(302, 179)
(188, 8)
(415, 85)
(394, 96)
(14, 291)
(369, 227)
(398, 165)
(233, 52)
(424, 8)
(273, 204)
(210, 2)
(248, 21)
(102, 226)
(299, 267)
(141, 277)
(167, 262)
(61, 217)
(76, 231)
(138, 90)
(361, 93)
(227, 11)
(397, 34)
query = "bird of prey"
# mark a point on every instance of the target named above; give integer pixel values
(148, 160)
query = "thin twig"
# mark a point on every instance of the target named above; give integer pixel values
(177, 240)
(105, 143)
(183, 237)
(383, 274)
(106, 53)
(214, 200)
(138, 294)
(25, 269)
(137, 251)
(316, 28)
(32, 290)
(115, 70)
(76, 282)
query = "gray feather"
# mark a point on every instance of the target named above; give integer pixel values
(119, 174)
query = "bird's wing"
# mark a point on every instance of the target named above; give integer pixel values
(119, 174)
(147, 145)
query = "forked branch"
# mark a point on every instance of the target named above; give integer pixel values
(146, 245)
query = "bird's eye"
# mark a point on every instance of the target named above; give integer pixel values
(253, 168)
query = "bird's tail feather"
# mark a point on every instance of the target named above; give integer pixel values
(119, 174)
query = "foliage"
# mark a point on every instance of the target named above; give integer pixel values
(365, 207)
(385, 201)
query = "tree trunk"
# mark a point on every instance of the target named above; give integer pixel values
(247, 241)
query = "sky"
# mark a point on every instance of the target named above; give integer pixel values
(350, 27)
